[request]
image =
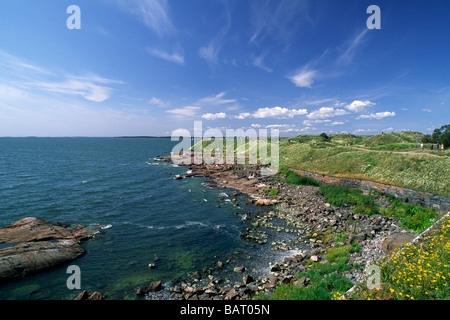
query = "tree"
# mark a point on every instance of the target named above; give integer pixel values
(325, 136)
(442, 135)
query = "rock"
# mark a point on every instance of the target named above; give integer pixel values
(95, 296)
(396, 240)
(33, 245)
(248, 279)
(231, 295)
(84, 295)
(314, 258)
(154, 286)
(265, 202)
(239, 269)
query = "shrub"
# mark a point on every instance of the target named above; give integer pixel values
(294, 178)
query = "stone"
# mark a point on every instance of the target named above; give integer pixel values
(231, 295)
(154, 286)
(239, 269)
(84, 295)
(33, 245)
(395, 241)
(248, 279)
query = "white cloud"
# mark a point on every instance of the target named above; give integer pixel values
(86, 86)
(185, 111)
(346, 57)
(214, 116)
(359, 106)
(363, 130)
(259, 62)
(158, 102)
(304, 78)
(378, 115)
(427, 110)
(210, 52)
(326, 112)
(243, 115)
(335, 123)
(278, 112)
(216, 100)
(176, 57)
(153, 13)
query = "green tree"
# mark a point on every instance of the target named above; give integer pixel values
(442, 135)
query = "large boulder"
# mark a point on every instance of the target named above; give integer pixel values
(32, 245)
(396, 240)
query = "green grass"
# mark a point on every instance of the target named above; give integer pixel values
(339, 195)
(326, 278)
(273, 192)
(423, 171)
(412, 217)
(294, 178)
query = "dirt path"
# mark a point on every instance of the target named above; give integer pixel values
(400, 152)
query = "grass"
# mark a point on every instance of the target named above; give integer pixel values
(294, 178)
(423, 170)
(326, 278)
(413, 217)
(418, 271)
(272, 192)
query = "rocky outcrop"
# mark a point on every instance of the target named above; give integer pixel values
(31, 245)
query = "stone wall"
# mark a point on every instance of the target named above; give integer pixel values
(421, 198)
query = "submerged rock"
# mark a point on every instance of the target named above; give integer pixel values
(31, 245)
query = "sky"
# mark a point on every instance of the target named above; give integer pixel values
(149, 67)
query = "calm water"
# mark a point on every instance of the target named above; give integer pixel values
(115, 183)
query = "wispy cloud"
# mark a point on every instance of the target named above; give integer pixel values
(215, 100)
(175, 57)
(91, 87)
(185, 111)
(210, 52)
(153, 13)
(277, 20)
(350, 48)
(259, 62)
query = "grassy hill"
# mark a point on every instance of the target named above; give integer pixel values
(394, 158)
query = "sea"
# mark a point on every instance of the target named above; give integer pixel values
(147, 217)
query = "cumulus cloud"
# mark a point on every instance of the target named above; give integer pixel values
(278, 112)
(359, 106)
(243, 115)
(214, 116)
(326, 112)
(303, 78)
(378, 115)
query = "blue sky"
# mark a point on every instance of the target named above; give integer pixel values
(148, 67)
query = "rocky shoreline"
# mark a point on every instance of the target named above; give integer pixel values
(32, 245)
(306, 218)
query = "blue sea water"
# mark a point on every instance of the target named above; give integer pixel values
(148, 216)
